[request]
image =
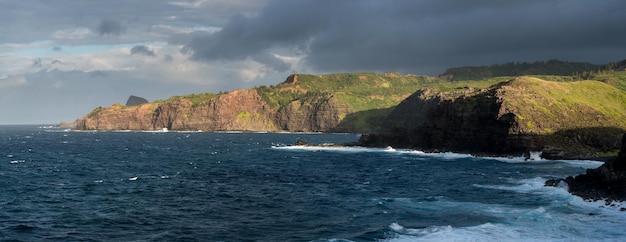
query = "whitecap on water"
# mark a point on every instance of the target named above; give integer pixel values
(524, 185)
(389, 149)
(328, 147)
(561, 216)
(554, 222)
(535, 159)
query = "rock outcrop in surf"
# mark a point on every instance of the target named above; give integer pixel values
(607, 182)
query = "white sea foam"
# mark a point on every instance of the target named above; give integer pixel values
(588, 164)
(540, 161)
(563, 217)
(573, 221)
(389, 149)
(328, 147)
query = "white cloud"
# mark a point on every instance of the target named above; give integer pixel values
(12, 81)
(170, 29)
(252, 70)
(73, 34)
(190, 4)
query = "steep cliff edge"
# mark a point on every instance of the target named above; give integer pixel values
(237, 110)
(566, 120)
(240, 110)
(302, 103)
(314, 113)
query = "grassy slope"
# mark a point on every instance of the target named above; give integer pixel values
(551, 67)
(365, 91)
(617, 79)
(371, 96)
(545, 107)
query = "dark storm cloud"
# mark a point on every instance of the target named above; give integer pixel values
(272, 61)
(142, 50)
(285, 23)
(422, 36)
(110, 27)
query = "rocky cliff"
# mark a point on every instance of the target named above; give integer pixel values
(607, 182)
(566, 120)
(240, 110)
(237, 110)
(302, 103)
(310, 114)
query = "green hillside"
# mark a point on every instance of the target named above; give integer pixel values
(546, 106)
(551, 67)
(371, 96)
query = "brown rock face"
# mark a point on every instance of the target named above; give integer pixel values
(313, 114)
(292, 79)
(241, 110)
(237, 110)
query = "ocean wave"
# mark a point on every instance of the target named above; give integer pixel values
(388, 149)
(542, 223)
(533, 159)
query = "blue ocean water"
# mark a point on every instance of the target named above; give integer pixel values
(64, 185)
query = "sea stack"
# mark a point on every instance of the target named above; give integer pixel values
(134, 101)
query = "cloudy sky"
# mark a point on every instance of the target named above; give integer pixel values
(60, 59)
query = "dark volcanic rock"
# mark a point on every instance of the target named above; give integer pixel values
(134, 101)
(606, 182)
(509, 118)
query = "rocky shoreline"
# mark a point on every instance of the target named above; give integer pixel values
(607, 182)
(562, 120)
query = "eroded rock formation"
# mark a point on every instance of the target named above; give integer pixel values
(239, 110)
(317, 113)
(134, 101)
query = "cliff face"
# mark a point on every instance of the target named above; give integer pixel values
(318, 113)
(567, 120)
(438, 121)
(237, 110)
(240, 110)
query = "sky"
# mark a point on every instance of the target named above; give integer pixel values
(61, 59)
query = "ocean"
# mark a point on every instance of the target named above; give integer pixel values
(63, 185)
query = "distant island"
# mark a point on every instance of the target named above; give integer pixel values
(565, 109)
